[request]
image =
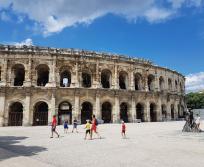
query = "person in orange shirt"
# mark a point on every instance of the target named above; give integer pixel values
(54, 125)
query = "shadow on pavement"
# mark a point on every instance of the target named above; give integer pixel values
(9, 148)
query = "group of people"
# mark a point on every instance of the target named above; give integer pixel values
(90, 126)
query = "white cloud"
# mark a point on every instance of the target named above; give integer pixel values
(195, 82)
(54, 15)
(27, 42)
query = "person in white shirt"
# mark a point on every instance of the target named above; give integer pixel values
(197, 121)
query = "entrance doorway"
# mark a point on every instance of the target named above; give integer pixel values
(40, 116)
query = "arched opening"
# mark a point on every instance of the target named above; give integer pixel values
(172, 112)
(181, 88)
(124, 112)
(161, 84)
(176, 85)
(164, 112)
(140, 112)
(40, 116)
(86, 80)
(107, 112)
(15, 114)
(138, 81)
(65, 78)
(123, 80)
(179, 111)
(18, 74)
(106, 79)
(42, 75)
(64, 113)
(151, 79)
(153, 112)
(86, 112)
(169, 84)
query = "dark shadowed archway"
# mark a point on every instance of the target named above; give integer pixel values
(40, 115)
(107, 112)
(15, 114)
(86, 112)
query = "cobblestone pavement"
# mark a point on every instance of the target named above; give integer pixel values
(147, 145)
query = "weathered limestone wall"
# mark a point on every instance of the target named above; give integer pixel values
(158, 93)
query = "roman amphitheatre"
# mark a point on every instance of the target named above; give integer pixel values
(38, 82)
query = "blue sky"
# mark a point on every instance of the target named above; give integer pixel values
(170, 33)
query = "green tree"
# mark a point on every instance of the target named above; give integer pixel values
(195, 100)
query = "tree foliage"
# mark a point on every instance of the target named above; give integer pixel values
(195, 100)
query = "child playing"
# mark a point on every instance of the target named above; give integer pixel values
(66, 126)
(88, 129)
(75, 125)
(123, 130)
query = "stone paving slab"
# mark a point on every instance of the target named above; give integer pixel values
(147, 144)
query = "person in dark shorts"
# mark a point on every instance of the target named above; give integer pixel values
(66, 126)
(88, 129)
(53, 127)
(75, 123)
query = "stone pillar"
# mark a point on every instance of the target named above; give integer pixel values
(132, 80)
(52, 109)
(116, 77)
(52, 81)
(27, 82)
(98, 107)
(4, 73)
(2, 109)
(159, 110)
(76, 79)
(169, 111)
(97, 77)
(76, 107)
(157, 88)
(116, 111)
(26, 111)
(146, 84)
(133, 109)
(147, 112)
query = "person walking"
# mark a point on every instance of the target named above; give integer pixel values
(75, 123)
(88, 129)
(54, 125)
(94, 127)
(123, 132)
(66, 126)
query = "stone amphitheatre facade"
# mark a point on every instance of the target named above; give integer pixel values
(37, 82)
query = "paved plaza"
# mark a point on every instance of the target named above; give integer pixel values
(147, 145)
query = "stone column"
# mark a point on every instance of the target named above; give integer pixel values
(116, 77)
(76, 79)
(157, 88)
(26, 110)
(168, 111)
(27, 82)
(147, 112)
(52, 109)
(146, 84)
(4, 73)
(77, 113)
(116, 111)
(97, 83)
(2, 108)
(132, 80)
(52, 81)
(98, 107)
(159, 110)
(133, 109)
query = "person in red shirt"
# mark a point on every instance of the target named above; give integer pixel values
(54, 125)
(123, 130)
(94, 127)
